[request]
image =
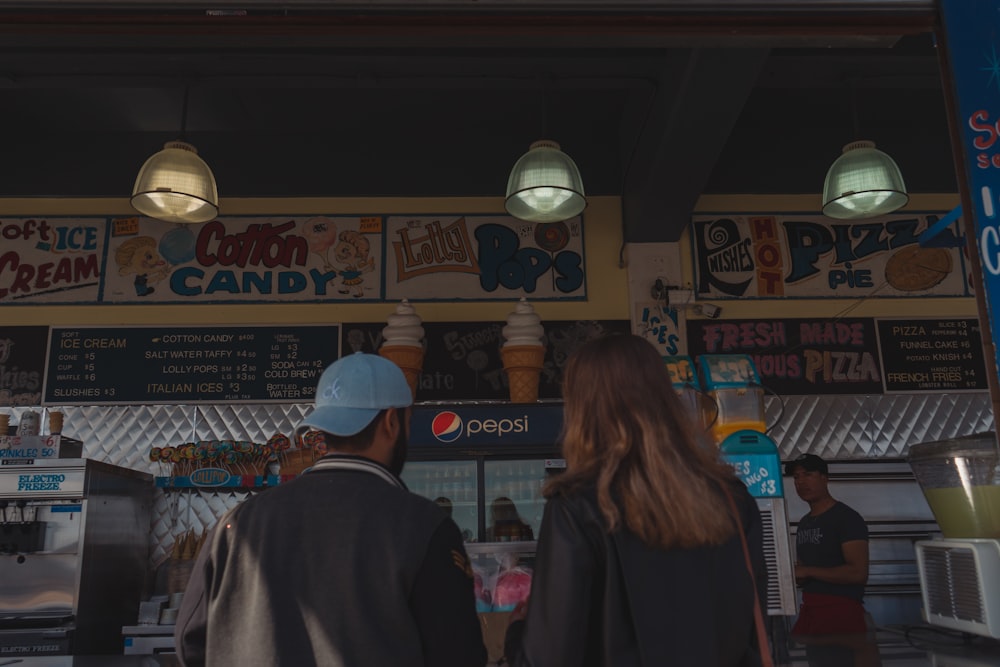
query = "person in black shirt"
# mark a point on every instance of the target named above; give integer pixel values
(832, 569)
(831, 555)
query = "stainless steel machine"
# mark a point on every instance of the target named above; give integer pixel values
(73, 555)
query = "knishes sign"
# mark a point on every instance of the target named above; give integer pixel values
(777, 256)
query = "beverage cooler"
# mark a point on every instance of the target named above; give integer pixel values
(73, 555)
(486, 463)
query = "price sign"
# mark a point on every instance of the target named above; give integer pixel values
(943, 354)
(760, 472)
(178, 365)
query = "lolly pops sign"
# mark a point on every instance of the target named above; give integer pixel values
(477, 257)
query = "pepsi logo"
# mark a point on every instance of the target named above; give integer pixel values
(447, 426)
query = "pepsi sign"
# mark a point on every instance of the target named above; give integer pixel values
(501, 424)
(447, 426)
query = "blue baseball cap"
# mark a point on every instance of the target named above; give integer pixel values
(353, 390)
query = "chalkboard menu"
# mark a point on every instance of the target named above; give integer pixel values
(177, 365)
(22, 365)
(463, 360)
(941, 354)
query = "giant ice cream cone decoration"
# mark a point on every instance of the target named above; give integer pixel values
(409, 359)
(523, 352)
(402, 343)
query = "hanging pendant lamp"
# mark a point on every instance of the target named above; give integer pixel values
(545, 185)
(175, 185)
(862, 183)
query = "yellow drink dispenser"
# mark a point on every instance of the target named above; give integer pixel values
(732, 382)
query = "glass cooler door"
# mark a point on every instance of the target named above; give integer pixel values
(514, 503)
(452, 484)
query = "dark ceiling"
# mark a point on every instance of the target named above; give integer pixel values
(426, 105)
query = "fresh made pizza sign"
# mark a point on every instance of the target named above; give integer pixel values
(809, 256)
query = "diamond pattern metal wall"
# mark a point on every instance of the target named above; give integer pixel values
(835, 427)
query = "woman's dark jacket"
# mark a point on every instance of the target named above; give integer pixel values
(607, 599)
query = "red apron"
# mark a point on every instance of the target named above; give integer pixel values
(829, 615)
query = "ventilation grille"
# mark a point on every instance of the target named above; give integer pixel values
(771, 560)
(781, 599)
(952, 585)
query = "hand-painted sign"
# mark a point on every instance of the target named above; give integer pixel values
(51, 260)
(802, 356)
(483, 257)
(22, 365)
(782, 256)
(660, 326)
(972, 31)
(312, 258)
(315, 258)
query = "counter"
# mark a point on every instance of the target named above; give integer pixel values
(904, 646)
(90, 661)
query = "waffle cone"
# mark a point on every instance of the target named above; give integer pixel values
(410, 360)
(523, 365)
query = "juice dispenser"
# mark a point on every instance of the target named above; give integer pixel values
(960, 574)
(731, 381)
(685, 380)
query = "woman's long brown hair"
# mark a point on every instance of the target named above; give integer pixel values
(626, 432)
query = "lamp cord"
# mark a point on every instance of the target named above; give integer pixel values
(545, 104)
(184, 112)
(854, 109)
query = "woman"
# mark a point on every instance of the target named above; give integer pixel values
(507, 526)
(639, 560)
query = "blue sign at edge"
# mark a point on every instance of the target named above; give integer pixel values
(971, 31)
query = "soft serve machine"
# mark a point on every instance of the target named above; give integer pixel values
(73, 550)
(960, 572)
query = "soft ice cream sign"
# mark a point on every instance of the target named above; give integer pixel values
(50, 260)
(775, 256)
(310, 258)
(483, 257)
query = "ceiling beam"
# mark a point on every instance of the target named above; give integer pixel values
(689, 119)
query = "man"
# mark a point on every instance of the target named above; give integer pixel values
(342, 566)
(831, 555)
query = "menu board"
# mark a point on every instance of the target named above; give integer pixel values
(941, 354)
(462, 360)
(22, 365)
(178, 365)
(798, 356)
